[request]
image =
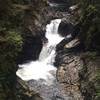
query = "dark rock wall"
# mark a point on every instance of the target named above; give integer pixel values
(89, 77)
(33, 31)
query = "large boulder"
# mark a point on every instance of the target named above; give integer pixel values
(65, 28)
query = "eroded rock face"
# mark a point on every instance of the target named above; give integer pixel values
(69, 65)
(69, 72)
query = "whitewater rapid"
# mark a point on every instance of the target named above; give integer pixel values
(43, 68)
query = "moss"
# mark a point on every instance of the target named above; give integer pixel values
(97, 86)
(89, 28)
(11, 44)
(90, 78)
(90, 55)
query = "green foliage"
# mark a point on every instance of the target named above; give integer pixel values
(90, 55)
(10, 45)
(97, 85)
(89, 28)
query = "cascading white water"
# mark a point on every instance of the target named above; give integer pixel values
(42, 68)
(56, 4)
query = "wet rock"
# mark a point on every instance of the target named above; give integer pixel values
(65, 28)
(69, 72)
(31, 49)
(71, 44)
(25, 93)
(55, 91)
(68, 75)
(73, 8)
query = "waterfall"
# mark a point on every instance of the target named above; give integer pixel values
(52, 4)
(53, 39)
(42, 68)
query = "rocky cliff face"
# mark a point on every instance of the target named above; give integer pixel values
(78, 72)
(76, 64)
(69, 65)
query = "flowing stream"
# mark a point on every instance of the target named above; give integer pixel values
(41, 74)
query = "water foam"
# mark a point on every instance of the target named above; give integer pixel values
(43, 68)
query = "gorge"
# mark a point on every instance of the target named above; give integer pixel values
(49, 50)
(41, 74)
